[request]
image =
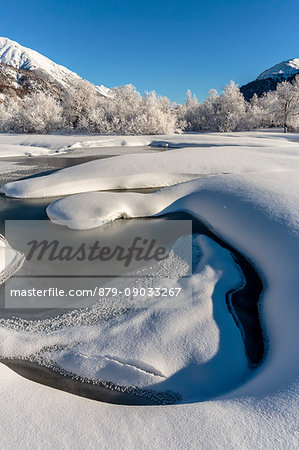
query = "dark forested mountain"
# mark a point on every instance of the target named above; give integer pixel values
(268, 80)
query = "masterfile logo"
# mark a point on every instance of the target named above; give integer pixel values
(64, 268)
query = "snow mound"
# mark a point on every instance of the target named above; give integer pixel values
(149, 170)
(188, 344)
(282, 70)
(10, 150)
(255, 208)
(257, 213)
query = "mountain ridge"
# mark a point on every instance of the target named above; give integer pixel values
(268, 80)
(19, 57)
(282, 70)
(19, 64)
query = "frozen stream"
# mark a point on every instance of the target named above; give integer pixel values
(242, 303)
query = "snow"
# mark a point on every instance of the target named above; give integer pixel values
(14, 54)
(283, 70)
(181, 351)
(9, 150)
(246, 188)
(50, 418)
(10, 260)
(169, 344)
(105, 91)
(206, 156)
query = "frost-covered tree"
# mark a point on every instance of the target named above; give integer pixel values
(224, 112)
(191, 111)
(9, 107)
(256, 114)
(79, 100)
(155, 115)
(37, 113)
(128, 112)
(284, 104)
(231, 108)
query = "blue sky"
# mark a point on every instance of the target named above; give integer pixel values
(167, 46)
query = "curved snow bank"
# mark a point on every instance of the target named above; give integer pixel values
(10, 260)
(93, 209)
(187, 344)
(148, 170)
(9, 150)
(238, 424)
(255, 213)
(119, 141)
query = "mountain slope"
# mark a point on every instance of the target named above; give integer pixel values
(15, 55)
(282, 71)
(23, 70)
(268, 80)
(20, 82)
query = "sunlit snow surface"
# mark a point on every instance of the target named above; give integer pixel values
(16, 55)
(282, 70)
(187, 344)
(254, 207)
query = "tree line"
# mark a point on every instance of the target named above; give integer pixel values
(126, 111)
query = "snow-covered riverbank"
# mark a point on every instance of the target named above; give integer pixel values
(245, 186)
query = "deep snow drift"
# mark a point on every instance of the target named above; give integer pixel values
(245, 186)
(165, 344)
(165, 168)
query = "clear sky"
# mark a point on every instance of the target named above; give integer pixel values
(164, 45)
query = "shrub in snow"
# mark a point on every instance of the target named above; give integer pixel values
(224, 112)
(78, 102)
(37, 113)
(9, 107)
(128, 112)
(284, 104)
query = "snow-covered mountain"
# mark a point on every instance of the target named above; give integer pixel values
(268, 80)
(14, 54)
(18, 63)
(283, 70)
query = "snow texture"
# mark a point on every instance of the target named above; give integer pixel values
(246, 189)
(165, 344)
(204, 156)
(282, 70)
(14, 54)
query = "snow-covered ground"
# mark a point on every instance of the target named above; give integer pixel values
(165, 344)
(245, 186)
(203, 155)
